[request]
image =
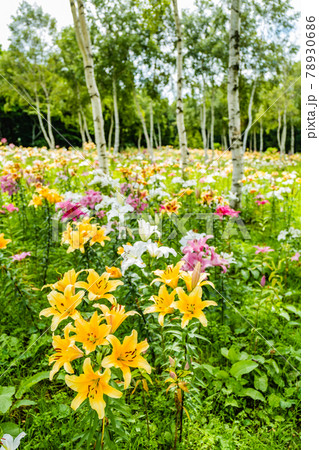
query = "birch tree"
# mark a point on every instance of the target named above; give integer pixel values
(84, 42)
(179, 103)
(250, 118)
(233, 104)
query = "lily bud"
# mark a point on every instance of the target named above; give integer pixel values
(196, 275)
(263, 281)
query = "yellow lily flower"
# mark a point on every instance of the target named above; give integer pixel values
(97, 235)
(192, 305)
(115, 315)
(170, 275)
(3, 241)
(69, 278)
(92, 385)
(163, 304)
(62, 306)
(188, 277)
(66, 351)
(99, 286)
(75, 238)
(36, 201)
(91, 334)
(127, 355)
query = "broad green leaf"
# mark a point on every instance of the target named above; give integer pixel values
(208, 368)
(252, 393)
(242, 367)
(245, 274)
(24, 402)
(222, 375)
(261, 383)
(224, 352)
(10, 428)
(27, 384)
(233, 355)
(231, 402)
(6, 393)
(274, 400)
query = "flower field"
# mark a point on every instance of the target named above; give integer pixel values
(139, 310)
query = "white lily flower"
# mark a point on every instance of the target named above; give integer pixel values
(146, 230)
(157, 252)
(8, 443)
(189, 236)
(132, 255)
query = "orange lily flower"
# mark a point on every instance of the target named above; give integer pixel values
(92, 385)
(62, 306)
(3, 241)
(91, 334)
(192, 305)
(66, 351)
(163, 304)
(113, 271)
(127, 355)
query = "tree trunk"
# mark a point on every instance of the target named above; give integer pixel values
(159, 136)
(139, 141)
(111, 132)
(233, 104)
(86, 130)
(279, 131)
(212, 123)
(225, 142)
(84, 42)
(179, 104)
(44, 131)
(81, 128)
(203, 126)
(142, 119)
(151, 124)
(292, 140)
(261, 136)
(250, 143)
(255, 140)
(116, 119)
(284, 133)
(250, 119)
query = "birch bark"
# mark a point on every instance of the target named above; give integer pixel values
(116, 119)
(179, 104)
(84, 42)
(233, 105)
(250, 118)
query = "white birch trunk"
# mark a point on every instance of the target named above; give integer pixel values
(139, 141)
(179, 104)
(44, 131)
(233, 104)
(111, 132)
(81, 128)
(261, 136)
(151, 124)
(212, 124)
(86, 130)
(255, 140)
(84, 42)
(284, 133)
(142, 119)
(116, 119)
(250, 118)
(279, 131)
(292, 140)
(203, 128)
(159, 136)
